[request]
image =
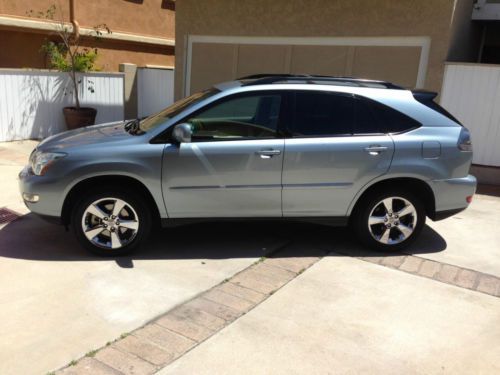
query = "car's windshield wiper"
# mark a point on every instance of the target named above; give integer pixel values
(133, 127)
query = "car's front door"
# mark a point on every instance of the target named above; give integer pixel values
(232, 167)
(334, 149)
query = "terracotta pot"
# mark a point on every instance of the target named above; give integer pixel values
(78, 118)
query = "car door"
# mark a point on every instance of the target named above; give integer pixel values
(232, 167)
(335, 148)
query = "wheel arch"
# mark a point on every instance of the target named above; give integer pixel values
(90, 183)
(418, 187)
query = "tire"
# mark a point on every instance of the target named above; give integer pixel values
(392, 228)
(103, 232)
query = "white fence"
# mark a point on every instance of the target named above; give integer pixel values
(471, 92)
(31, 102)
(155, 89)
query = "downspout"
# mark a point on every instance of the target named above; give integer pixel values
(76, 35)
(74, 22)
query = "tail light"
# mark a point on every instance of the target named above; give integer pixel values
(464, 141)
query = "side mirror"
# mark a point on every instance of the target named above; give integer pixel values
(182, 133)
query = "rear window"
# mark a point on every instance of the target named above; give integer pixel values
(427, 99)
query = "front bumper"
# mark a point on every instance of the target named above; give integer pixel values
(49, 202)
(451, 195)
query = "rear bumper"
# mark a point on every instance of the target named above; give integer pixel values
(451, 195)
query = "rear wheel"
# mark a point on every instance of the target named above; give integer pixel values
(111, 222)
(389, 221)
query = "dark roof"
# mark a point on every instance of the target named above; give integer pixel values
(263, 79)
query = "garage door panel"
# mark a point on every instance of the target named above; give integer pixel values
(394, 64)
(257, 59)
(321, 60)
(211, 63)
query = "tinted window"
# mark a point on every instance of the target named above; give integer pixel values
(366, 120)
(322, 114)
(388, 120)
(247, 117)
(392, 121)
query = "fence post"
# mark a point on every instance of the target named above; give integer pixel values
(129, 90)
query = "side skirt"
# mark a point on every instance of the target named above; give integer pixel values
(336, 221)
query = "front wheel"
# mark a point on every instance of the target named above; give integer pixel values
(111, 223)
(389, 221)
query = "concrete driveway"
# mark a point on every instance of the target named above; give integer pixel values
(57, 302)
(471, 238)
(344, 314)
(356, 311)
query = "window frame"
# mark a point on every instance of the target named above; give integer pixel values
(279, 126)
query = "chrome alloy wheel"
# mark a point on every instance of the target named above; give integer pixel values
(392, 220)
(110, 223)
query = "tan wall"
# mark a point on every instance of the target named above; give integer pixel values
(20, 7)
(313, 18)
(21, 48)
(27, 56)
(146, 17)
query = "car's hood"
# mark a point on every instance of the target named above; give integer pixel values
(97, 134)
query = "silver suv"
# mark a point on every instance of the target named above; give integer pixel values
(335, 150)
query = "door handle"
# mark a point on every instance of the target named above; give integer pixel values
(375, 149)
(267, 154)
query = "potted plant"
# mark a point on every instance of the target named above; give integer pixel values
(67, 55)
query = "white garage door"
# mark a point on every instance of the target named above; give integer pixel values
(213, 59)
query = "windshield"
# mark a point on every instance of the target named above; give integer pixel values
(159, 118)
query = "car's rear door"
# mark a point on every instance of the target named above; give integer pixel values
(334, 148)
(232, 167)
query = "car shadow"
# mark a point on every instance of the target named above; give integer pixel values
(31, 238)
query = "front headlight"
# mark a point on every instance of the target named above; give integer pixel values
(41, 161)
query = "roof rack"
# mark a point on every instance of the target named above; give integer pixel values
(263, 79)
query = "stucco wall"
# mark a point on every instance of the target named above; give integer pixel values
(432, 18)
(20, 7)
(111, 53)
(145, 18)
